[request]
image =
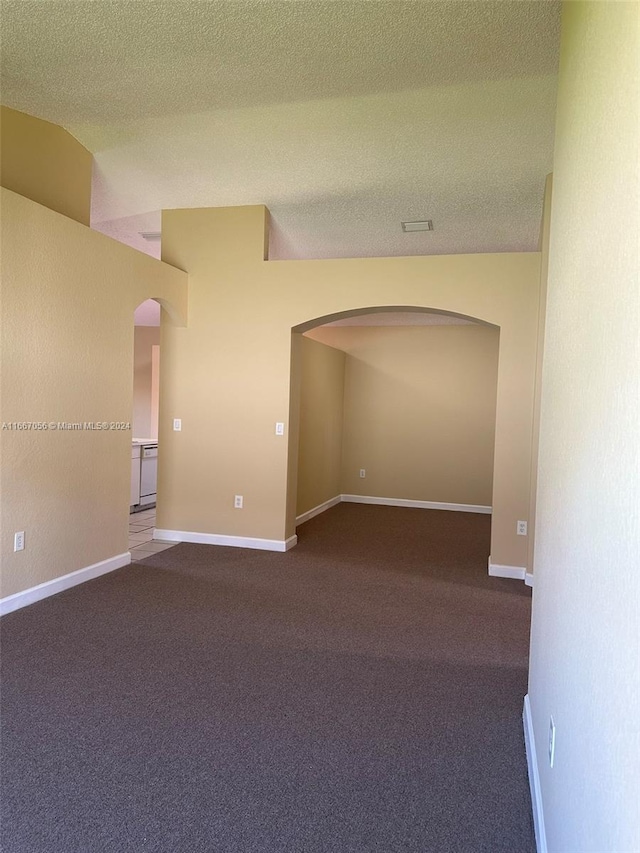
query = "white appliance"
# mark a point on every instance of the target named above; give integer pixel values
(135, 476)
(148, 473)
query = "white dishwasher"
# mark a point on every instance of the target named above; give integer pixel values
(148, 473)
(135, 476)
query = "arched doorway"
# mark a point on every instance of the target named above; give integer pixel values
(397, 407)
(145, 449)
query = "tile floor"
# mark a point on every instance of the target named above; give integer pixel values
(141, 542)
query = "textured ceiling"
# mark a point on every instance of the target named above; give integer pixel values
(344, 118)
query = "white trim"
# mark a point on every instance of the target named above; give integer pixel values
(528, 578)
(516, 572)
(44, 590)
(367, 499)
(534, 778)
(220, 539)
(323, 507)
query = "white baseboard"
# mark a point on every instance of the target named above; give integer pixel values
(44, 590)
(231, 541)
(534, 778)
(528, 578)
(498, 571)
(323, 507)
(367, 499)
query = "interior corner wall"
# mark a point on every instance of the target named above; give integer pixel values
(45, 163)
(321, 424)
(420, 408)
(584, 638)
(143, 423)
(68, 299)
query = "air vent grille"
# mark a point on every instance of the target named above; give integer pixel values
(417, 225)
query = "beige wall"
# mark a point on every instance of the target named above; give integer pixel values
(321, 422)
(227, 377)
(144, 424)
(43, 162)
(155, 390)
(228, 374)
(68, 297)
(585, 637)
(420, 406)
(545, 229)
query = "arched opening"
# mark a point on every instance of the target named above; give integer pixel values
(340, 316)
(396, 407)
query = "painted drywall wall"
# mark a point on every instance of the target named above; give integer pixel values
(155, 390)
(321, 423)
(43, 162)
(585, 641)
(144, 424)
(68, 297)
(545, 228)
(228, 375)
(420, 405)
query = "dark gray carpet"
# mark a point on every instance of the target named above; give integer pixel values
(360, 693)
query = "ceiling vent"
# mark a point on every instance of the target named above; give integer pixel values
(151, 236)
(418, 225)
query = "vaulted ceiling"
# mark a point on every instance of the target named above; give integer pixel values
(344, 117)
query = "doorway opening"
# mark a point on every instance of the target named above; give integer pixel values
(397, 407)
(145, 448)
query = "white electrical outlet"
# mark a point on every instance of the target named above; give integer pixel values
(363, 473)
(238, 502)
(279, 428)
(552, 741)
(177, 424)
(522, 528)
(18, 541)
